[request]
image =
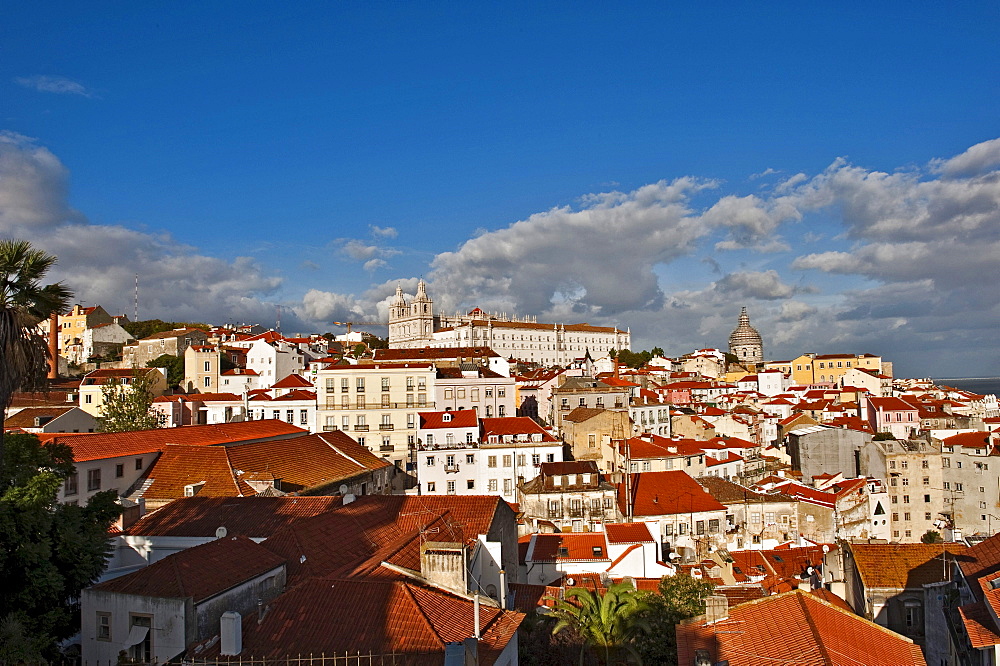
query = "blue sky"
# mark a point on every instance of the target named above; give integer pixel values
(654, 166)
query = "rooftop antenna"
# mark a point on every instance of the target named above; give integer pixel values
(277, 326)
(135, 311)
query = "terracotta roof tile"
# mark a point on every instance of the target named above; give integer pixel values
(903, 565)
(200, 572)
(462, 418)
(256, 517)
(293, 381)
(628, 533)
(368, 616)
(667, 493)
(811, 630)
(98, 446)
(589, 546)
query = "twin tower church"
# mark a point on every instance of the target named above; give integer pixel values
(415, 324)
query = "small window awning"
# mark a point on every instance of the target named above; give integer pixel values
(136, 636)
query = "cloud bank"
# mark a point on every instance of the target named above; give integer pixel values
(849, 259)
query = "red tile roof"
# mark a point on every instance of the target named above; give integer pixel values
(99, 446)
(200, 572)
(514, 425)
(334, 616)
(979, 624)
(462, 418)
(25, 418)
(588, 546)
(667, 493)
(309, 461)
(795, 627)
(256, 517)
(904, 565)
(434, 352)
(969, 440)
(293, 381)
(628, 533)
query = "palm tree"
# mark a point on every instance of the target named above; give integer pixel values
(24, 303)
(608, 622)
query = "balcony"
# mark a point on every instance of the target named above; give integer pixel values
(450, 468)
(360, 428)
(385, 426)
(330, 428)
(383, 448)
(378, 406)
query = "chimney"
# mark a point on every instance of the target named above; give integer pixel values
(503, 589)
(475, 615)
(54, 346)
(716, 608)
(231, 631)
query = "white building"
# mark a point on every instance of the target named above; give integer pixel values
(377, 404)
(414, 324)
(459, 454)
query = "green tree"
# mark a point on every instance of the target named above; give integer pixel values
(147, 327)
(931, 536)
(24, 303)
(51, 550)
(609, 623)
(128, 407)
(677, 598)
(174, 366)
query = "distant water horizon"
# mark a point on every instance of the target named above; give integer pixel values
(981, 385)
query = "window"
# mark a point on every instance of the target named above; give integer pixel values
(345, 422)
(895, 499)
(508, 460)
(103, 626)
(491, 485)
(508, 485)
(469, 437)
(344, 384)
(276, 414)
(536, 459)
(360, 384)
(522, 460)
(138, 463)
(647, 466)
(71, 485)
(713, 526)
(906, 481)
(699, 527)
(903, 464)
(88, 398)
(303, 416)
(385, 383)
(608, 502)
(142, 651)
(892, 464)
(290, 416)
(958, 487)
(550, 457)
(449, 394)
(895, 517)
(927, 515)
(361, 441)
(501, 392)
(385, 400)
(927, 498)
(906, 515)
(945, 462)
(470, 484)
(491, 461)
(93, 479)
(925, 464)
(501, 411)
(926, 481)
(119, 471)
(906, 499)
(361, 402)
(431, 486)
(451, 487)
(470, 458)
(409, 383)
(947, 485)
(488, 392)
(411, 420)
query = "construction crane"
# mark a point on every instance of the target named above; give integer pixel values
(349, 324)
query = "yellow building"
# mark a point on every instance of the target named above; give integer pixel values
(92, 385)
(812, 368)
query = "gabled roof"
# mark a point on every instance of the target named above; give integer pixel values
(514, 425)
(577, 546)
(434, 353)
(256, 517)
(903, 565)
(99, 446)
(667, 493)
(25, 418)
(200, 572)
(293, 381)
(333, 616)
(891, 404)
(795, 627)
(581, 414)
(462, 418)
(309, 461)
(620, 533)
(969, 440)
(356, 538)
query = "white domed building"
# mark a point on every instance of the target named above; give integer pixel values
(745, 342)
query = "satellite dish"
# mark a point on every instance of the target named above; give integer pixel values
(674, 556)
(344, 489)
(826, 548)
(570, 582)
(221, 532)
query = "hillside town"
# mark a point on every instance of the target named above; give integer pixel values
(432, 497)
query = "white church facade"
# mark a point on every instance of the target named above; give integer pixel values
(414, 325)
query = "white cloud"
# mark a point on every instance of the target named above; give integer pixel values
(383, 232)
(59, 85)
(596, 259)
(752, 222)
(757, 285)
(975, 160)
(99, 262)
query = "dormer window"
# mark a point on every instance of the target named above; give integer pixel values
(563, 551)
(446, 417)
(598, 551)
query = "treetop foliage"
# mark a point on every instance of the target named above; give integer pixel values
(52, 550)
(128, 407)
(147, 327)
